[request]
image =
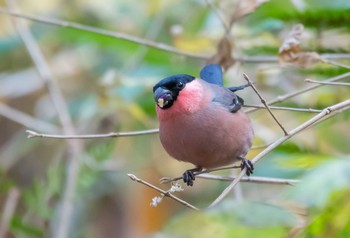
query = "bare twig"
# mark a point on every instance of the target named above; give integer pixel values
(229, 188)
(327, 61)
(8, 210)
(32, 134)
(327, 83)
(264, 102)
(113, 34)
(156, 45)
(285, 108)
(335, 56)
(219, 15)
(156, 27)
(326, 113)
(252, 179)
(335, 109)
(301, 91)
(258, 147)
(165, 193)
(26, 120)
(59, 103)
(274, 59)
(169, 180)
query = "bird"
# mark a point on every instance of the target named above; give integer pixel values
(202, 122)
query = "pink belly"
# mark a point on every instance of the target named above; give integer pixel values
(207, 140)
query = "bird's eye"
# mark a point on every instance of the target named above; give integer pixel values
(180, 85)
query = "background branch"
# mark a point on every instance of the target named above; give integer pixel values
(26, 120)
(8, 210)
(149, 43)
(113, 34)
(301, 91)
(284, 108)
(327, 83)
(327, 61)
(59, 103)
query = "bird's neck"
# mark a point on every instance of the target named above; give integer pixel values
(191, 99)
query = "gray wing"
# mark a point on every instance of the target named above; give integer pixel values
(227, 98)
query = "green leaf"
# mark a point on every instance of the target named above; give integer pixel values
(317, 185)
(18, 226)
(333, 220)
(232, 219)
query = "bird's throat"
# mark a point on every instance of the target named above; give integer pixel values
(189, 100)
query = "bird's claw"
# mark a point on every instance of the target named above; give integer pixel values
(188, 177)
(246, 163)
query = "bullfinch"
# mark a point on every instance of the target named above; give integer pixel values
(201, 121)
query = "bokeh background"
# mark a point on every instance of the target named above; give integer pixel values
(106, 84)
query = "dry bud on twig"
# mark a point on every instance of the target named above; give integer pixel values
(290, 52)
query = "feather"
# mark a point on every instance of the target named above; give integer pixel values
(212, 73)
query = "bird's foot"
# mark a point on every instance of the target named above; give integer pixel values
(246, 163)
(189, 176)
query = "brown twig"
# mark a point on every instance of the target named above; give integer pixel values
(165, 193)
(8, 211)
(263, 101)
(32, 134)
(60, 105)
(327, 83)
(326, 113)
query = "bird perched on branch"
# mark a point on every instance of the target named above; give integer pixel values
(202, 122)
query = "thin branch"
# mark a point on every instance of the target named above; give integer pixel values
(32, 134)
(285, 108)
(8, 211)
(272, 59)
(205, 171)
(258, 147)
(149, 43)
(335, 63)
(113, 34)
(165, 193)
(335, 109)
(76, 147)
(26, 120)
(264, 102)
(335, 56)
(218, 14)
(325, 114)
(301, 91)
(327, 83)
(252, 179)
(151, 34)
(229, 188)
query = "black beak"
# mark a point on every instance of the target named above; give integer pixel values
(163, 97)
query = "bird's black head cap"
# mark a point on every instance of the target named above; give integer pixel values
(166, 91)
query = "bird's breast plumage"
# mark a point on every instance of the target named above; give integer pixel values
(209, 136)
